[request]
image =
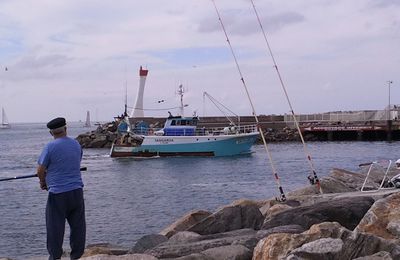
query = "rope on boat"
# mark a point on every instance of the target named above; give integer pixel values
(217, 104)
(312, 178)
(275, 173)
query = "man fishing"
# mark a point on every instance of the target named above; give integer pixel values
(59, 173)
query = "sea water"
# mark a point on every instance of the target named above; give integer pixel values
(128, 198)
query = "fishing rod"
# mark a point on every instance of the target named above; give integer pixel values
(31, 176)
(312, 178)
(274, 172)
(367, 164)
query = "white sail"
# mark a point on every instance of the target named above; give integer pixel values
(87, 123)
(4, 119)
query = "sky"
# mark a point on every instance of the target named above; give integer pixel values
(66, 57)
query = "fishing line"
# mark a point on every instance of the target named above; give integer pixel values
(158, 109)
(275, 173)
(314, 178)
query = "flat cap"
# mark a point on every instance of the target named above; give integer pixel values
(56, 123)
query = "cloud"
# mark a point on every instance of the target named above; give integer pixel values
(42, 67)
(81, 49)
(384, 3)
(35, 62)
(245, 24)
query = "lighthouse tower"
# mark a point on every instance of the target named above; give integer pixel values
(138, 108)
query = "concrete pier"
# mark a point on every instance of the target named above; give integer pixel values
(315, 130)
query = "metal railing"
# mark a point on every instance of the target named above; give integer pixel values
(371, 165)
(200, 131)
(345, 116)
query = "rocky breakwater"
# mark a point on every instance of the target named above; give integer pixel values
(285, 134)
(341, 224)
(102, 137)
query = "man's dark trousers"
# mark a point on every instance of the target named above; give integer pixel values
(68, 206)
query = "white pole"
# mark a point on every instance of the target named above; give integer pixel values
(389, 82)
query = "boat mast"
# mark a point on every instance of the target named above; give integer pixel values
(181, 91)
(312, 178)
(274, 172)
(126, 95)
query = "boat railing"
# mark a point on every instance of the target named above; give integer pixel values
(200, 131)
(228, 130)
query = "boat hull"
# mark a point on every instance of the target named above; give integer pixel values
(165, 146)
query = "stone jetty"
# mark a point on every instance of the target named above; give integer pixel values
(344, 223)
(102, 137)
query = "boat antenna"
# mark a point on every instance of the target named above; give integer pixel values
(312, 178)
(126, 94)
(275, 173)
(180, 92)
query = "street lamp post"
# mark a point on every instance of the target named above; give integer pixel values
(389, 82)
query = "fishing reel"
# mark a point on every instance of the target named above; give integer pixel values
(311, 179)
(282, 198)
(393, 182)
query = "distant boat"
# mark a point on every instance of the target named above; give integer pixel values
(4, 120)
(87, 122)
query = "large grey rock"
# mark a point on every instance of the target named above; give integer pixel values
(184, 237)
(147, 242)
(244, 237)
(102, 137)
(382, 255)
(393, 227)
(324, 248)
(121, 257)
(290, 229)
(348, 212)
(383, 218)
(171, 249)
(268, 211)
(230, 218)
(339, 181)
(355, 244)
(104, 248)
(99, 142)
(185, 222)
(233, 252)
(196, 256)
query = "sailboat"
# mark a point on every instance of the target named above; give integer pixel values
(4, 121)
(87, 122)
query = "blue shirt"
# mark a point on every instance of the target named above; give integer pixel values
(62, 159)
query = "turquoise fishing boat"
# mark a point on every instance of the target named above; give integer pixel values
(180, 136)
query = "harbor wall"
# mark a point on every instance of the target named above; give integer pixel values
(335, 126)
